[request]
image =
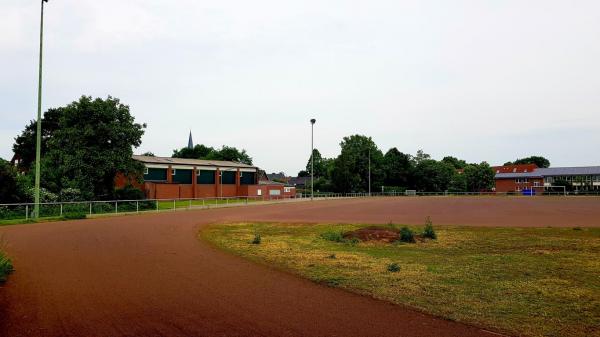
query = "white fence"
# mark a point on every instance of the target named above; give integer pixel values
(74, 209)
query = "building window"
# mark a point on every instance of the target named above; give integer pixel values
(145, 171)
(173, 172)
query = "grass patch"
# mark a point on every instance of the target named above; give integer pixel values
(521, 281)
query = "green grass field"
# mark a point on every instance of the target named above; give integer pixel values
(168, 204)
(534, 281)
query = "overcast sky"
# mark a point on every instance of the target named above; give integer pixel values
(480, 80)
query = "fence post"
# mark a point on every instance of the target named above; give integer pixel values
(190, 204)
(26, 212)
(90, 208)
(116, 207)
(174, 205)
(156, 205)
(137, 206)
(61, 209)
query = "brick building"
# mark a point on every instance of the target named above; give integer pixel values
(179, 178)
(517, 178)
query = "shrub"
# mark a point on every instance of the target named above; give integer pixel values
(393, 267)
(428, 232)
(5, 267)
(335, 236)
(70, 194)
(257, 239)
(74, 216)
(129, 193)
(407, 235)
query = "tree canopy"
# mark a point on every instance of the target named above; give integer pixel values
(84, 145)
(540, 161)
(226, 153)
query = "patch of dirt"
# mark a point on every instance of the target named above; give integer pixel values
(374, 233)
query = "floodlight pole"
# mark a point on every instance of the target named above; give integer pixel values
(369, 171)
(312, 158)
(38, 142)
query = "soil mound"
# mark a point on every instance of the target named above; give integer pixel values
(374, 233)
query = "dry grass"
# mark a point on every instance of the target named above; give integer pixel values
(534, 281)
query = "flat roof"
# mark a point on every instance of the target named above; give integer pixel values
(553, 171)
(189, 162)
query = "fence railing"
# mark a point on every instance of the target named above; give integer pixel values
(24, 211)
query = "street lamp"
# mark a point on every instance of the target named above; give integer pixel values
(38, 142)
(312, 159)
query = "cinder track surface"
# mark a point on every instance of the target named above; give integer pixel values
(149, 275)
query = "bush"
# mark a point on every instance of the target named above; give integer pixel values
(74, 216)
(407, 235)
(70, 194)
(393, 267)
(6, 267)
(428, 232)
(129, 193)
(257, 239)
(335, 236)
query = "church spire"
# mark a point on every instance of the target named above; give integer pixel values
(190, 142)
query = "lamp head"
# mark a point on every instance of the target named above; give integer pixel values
(313, 121)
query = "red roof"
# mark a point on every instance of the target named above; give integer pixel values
(524, 168)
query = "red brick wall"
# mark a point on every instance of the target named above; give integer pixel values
(510, 185)
(186, 191)
(167, 191)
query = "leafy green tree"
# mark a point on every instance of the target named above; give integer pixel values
(433, 176)
(479, 177)
(420, 156)
(231, 154)
(303, 173)
(458, 183)
(226, 153)
(9, 190)
(25, 143)
(320, 164)
(538, 160)
(397, 168)
(91, 141)
(455, 162)
(197, 152)
(350, 172)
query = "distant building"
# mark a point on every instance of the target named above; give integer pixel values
(516, 178)
(181, 178)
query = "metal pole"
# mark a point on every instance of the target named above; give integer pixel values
(38, 142)
(369, 171)
(312, 159)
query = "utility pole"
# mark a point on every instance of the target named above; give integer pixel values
(312, 159)
(369, 171)
(38, 142)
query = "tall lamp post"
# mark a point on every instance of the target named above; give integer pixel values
(312, 159)
(369, 171)
(38, 142)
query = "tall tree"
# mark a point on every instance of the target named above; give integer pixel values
(229, 153)
(351, 167)
(25, 143)
(433, 176)
(199, 151)
(320, 164)
(455, 162)
(397, 168)
(538, 160)
(91, 141)
(226, 153)
(420, 156)
(479, 177)
(9, 191)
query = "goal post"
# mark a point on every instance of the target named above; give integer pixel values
(564, 188)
